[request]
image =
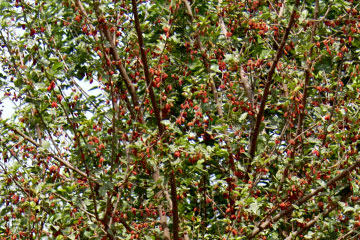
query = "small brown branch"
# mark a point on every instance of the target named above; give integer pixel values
(146, 68)
(334, 104)
(221, 22)
(83, 209)
(174, 206)
(307, 76)
(313, 221)
(60, 160)
(163, 220)
(345, 236)
(188, 9)
(156, 174)
(243, 77)
(123, 72)
(244, 80)
(89, 214)
(122, 221)
(299, 126)
(205, 61)
(130, 87)
(64, 162)
(107, 217)
(264, 225)
(256, 130)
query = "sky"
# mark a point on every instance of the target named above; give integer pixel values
(7, 107)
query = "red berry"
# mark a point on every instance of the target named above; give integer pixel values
(32, 32)
(316, 152)
(54, 105)
(229, 34)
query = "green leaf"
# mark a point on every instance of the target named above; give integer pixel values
(45, 145)
(254, 208)
(56, 66)
(243, 116)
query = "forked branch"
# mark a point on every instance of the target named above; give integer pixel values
(260, 115)
(266, 224)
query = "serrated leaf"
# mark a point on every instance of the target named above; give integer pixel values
(45, 145)
(295, 206)
(56, 66)
(166, 122)
(254, 208)
(243, 116)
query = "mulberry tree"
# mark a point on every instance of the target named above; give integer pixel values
(179, 119)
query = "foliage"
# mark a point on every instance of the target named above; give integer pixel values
(180, 119)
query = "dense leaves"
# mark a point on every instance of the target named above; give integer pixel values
(180, 119)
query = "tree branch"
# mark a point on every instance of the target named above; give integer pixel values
(262, 226)
(313, 221)
(307, 76)
(175, 206)
(163, 220)
(156, 174)
(205, 61)
(256, 130)
(60, 160)
(130, 87)
(345, 236)
(146, 68)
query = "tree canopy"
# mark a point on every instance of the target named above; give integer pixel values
(180, 119)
